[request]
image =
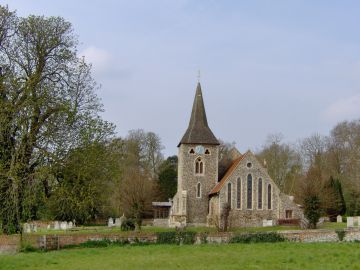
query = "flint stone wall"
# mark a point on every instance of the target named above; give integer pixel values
(12, 243)
(197, 208)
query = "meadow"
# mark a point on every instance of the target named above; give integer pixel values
(232, 256)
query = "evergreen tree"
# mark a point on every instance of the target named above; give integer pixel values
(168, 178)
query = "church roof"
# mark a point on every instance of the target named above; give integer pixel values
(231, 169)
(198, 130)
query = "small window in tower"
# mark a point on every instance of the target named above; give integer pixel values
(192, 151)
(199, 166)
(198, 190)
(207, 152)
(249, 165)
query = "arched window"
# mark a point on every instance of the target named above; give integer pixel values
(198, 190)
(229, 194)
(199, 166)
(269, 196)
(238, 193)
(249, 192)
(260, 193)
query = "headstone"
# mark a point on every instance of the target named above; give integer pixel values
(70, 225)
(111, 222)
(350, 222)
(339, 219)
(34, 228)
(49, 227)
(357, 221)
(63, 225)
(118, 222)
(122, 218)
(27, 228)
(267, 222)
(57, 225)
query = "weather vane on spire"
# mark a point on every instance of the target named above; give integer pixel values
(198, 76)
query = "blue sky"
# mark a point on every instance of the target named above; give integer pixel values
(266, 66)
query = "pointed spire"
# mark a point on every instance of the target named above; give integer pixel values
(198, 131)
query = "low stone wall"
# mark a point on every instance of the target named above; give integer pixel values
(9, 243)
(309, 236)
(12, 243)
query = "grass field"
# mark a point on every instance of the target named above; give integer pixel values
(233, 256)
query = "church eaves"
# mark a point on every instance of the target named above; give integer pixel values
(198, 131)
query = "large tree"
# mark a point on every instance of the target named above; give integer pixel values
(168, 178)
(48, 106)
(282, 161)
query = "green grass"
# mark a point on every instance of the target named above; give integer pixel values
(333, 225)
(233, 256)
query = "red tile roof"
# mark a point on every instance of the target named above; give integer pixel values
(233, 166)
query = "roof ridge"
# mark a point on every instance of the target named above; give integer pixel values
(233, 166)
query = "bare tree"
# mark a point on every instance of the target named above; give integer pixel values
(282, 161)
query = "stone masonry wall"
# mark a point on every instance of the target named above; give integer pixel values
(243, 217)
(197, 208)
(11, 243)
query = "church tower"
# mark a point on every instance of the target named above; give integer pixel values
(197, 167)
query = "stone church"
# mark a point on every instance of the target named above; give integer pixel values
(245, 190)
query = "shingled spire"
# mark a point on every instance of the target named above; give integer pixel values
(198, 131)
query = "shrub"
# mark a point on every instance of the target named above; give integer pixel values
(128, 225)
(166, 238)
(96, 243)
(341, 234)
(203, 238)
(261, 237)
(28, 248)
(312, 209)
(177, 238)
(187, 238)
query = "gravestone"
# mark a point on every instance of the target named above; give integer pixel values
(111, 222)
(63, 225)
(70, 225)
(27, 228)
(56, 225)
(356, 221)
(267, 223)
(118, 222)
(350, 222)
(122, 218)
(339, 219)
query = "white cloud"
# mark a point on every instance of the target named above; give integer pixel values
(343, 109)
(99, 58)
